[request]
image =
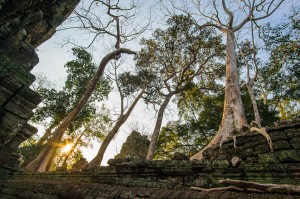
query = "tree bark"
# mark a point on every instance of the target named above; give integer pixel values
(233, 113)
(39, 164)
(254, 104)
(155, 134)
(44, 137)
(96, 161)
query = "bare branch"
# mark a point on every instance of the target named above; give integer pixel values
(117, 46)
(269, 10)
(229, 13)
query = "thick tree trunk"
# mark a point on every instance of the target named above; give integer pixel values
(96, 161)
(44, 137)
(155, 134)
(51, 162)
(39, 164)
(254, 104)
(233, 113)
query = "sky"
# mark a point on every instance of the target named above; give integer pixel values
(53, 54)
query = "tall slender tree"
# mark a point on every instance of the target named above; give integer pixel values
(233, 118)
(127, 84)
(77, 105)
(177, 55)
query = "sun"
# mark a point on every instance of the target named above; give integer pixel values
(66, 148)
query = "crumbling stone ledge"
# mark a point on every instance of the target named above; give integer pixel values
(174, 178)
(42, 189)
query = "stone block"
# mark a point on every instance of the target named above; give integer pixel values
(288, 156)
(252, 144)
(268, 158)
(234, 152)
(5, 94)
(185, 163)
(172, 163)
(262, 149)
(10, 83)
(277, 169)
(295, 142)
(281, 144)
(277, 135)
(220, 164)
(293, 132)
(10, 124)
(31, 96)
(207, 165)
(251, 160)
(21, 107)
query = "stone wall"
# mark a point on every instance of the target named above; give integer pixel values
(24, 25)
(174, 178)
(41, 189)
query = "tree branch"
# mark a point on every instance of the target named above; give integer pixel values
(229, 13)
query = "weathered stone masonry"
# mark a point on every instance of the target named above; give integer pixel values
(173, 178)
(24, 25)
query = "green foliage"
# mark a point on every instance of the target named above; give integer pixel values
(136, 145)
(129, 83)
(58, 103)
(29, 150)
(280, 77)
(201, 114)
(177, 55)
(80, 71)
(186, 138)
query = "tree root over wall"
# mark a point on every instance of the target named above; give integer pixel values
(251, 187)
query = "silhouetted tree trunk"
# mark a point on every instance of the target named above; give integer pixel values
(155, 134)
(45, 136)
(254, 104)
(39, 164)
(233, 114)
(96, 161)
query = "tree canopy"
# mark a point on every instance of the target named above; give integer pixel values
(211, 64)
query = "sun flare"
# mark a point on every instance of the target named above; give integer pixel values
(66, 148)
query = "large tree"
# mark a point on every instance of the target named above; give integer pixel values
(176, 56)
(229, 17)
(131, 88)
(40, 163)
(195, 129)
(58, 103)
(95, 130)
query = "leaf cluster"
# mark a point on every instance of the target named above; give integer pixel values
(58, 103)
(178, 54)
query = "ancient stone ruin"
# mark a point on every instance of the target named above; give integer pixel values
(222, 168)
(227, 171)
(24, 25)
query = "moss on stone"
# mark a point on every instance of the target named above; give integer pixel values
(220, 164)
(281, 144)
(267, 158)
(291, 133)
(295, 142)
(288, 156)
(262, 149)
